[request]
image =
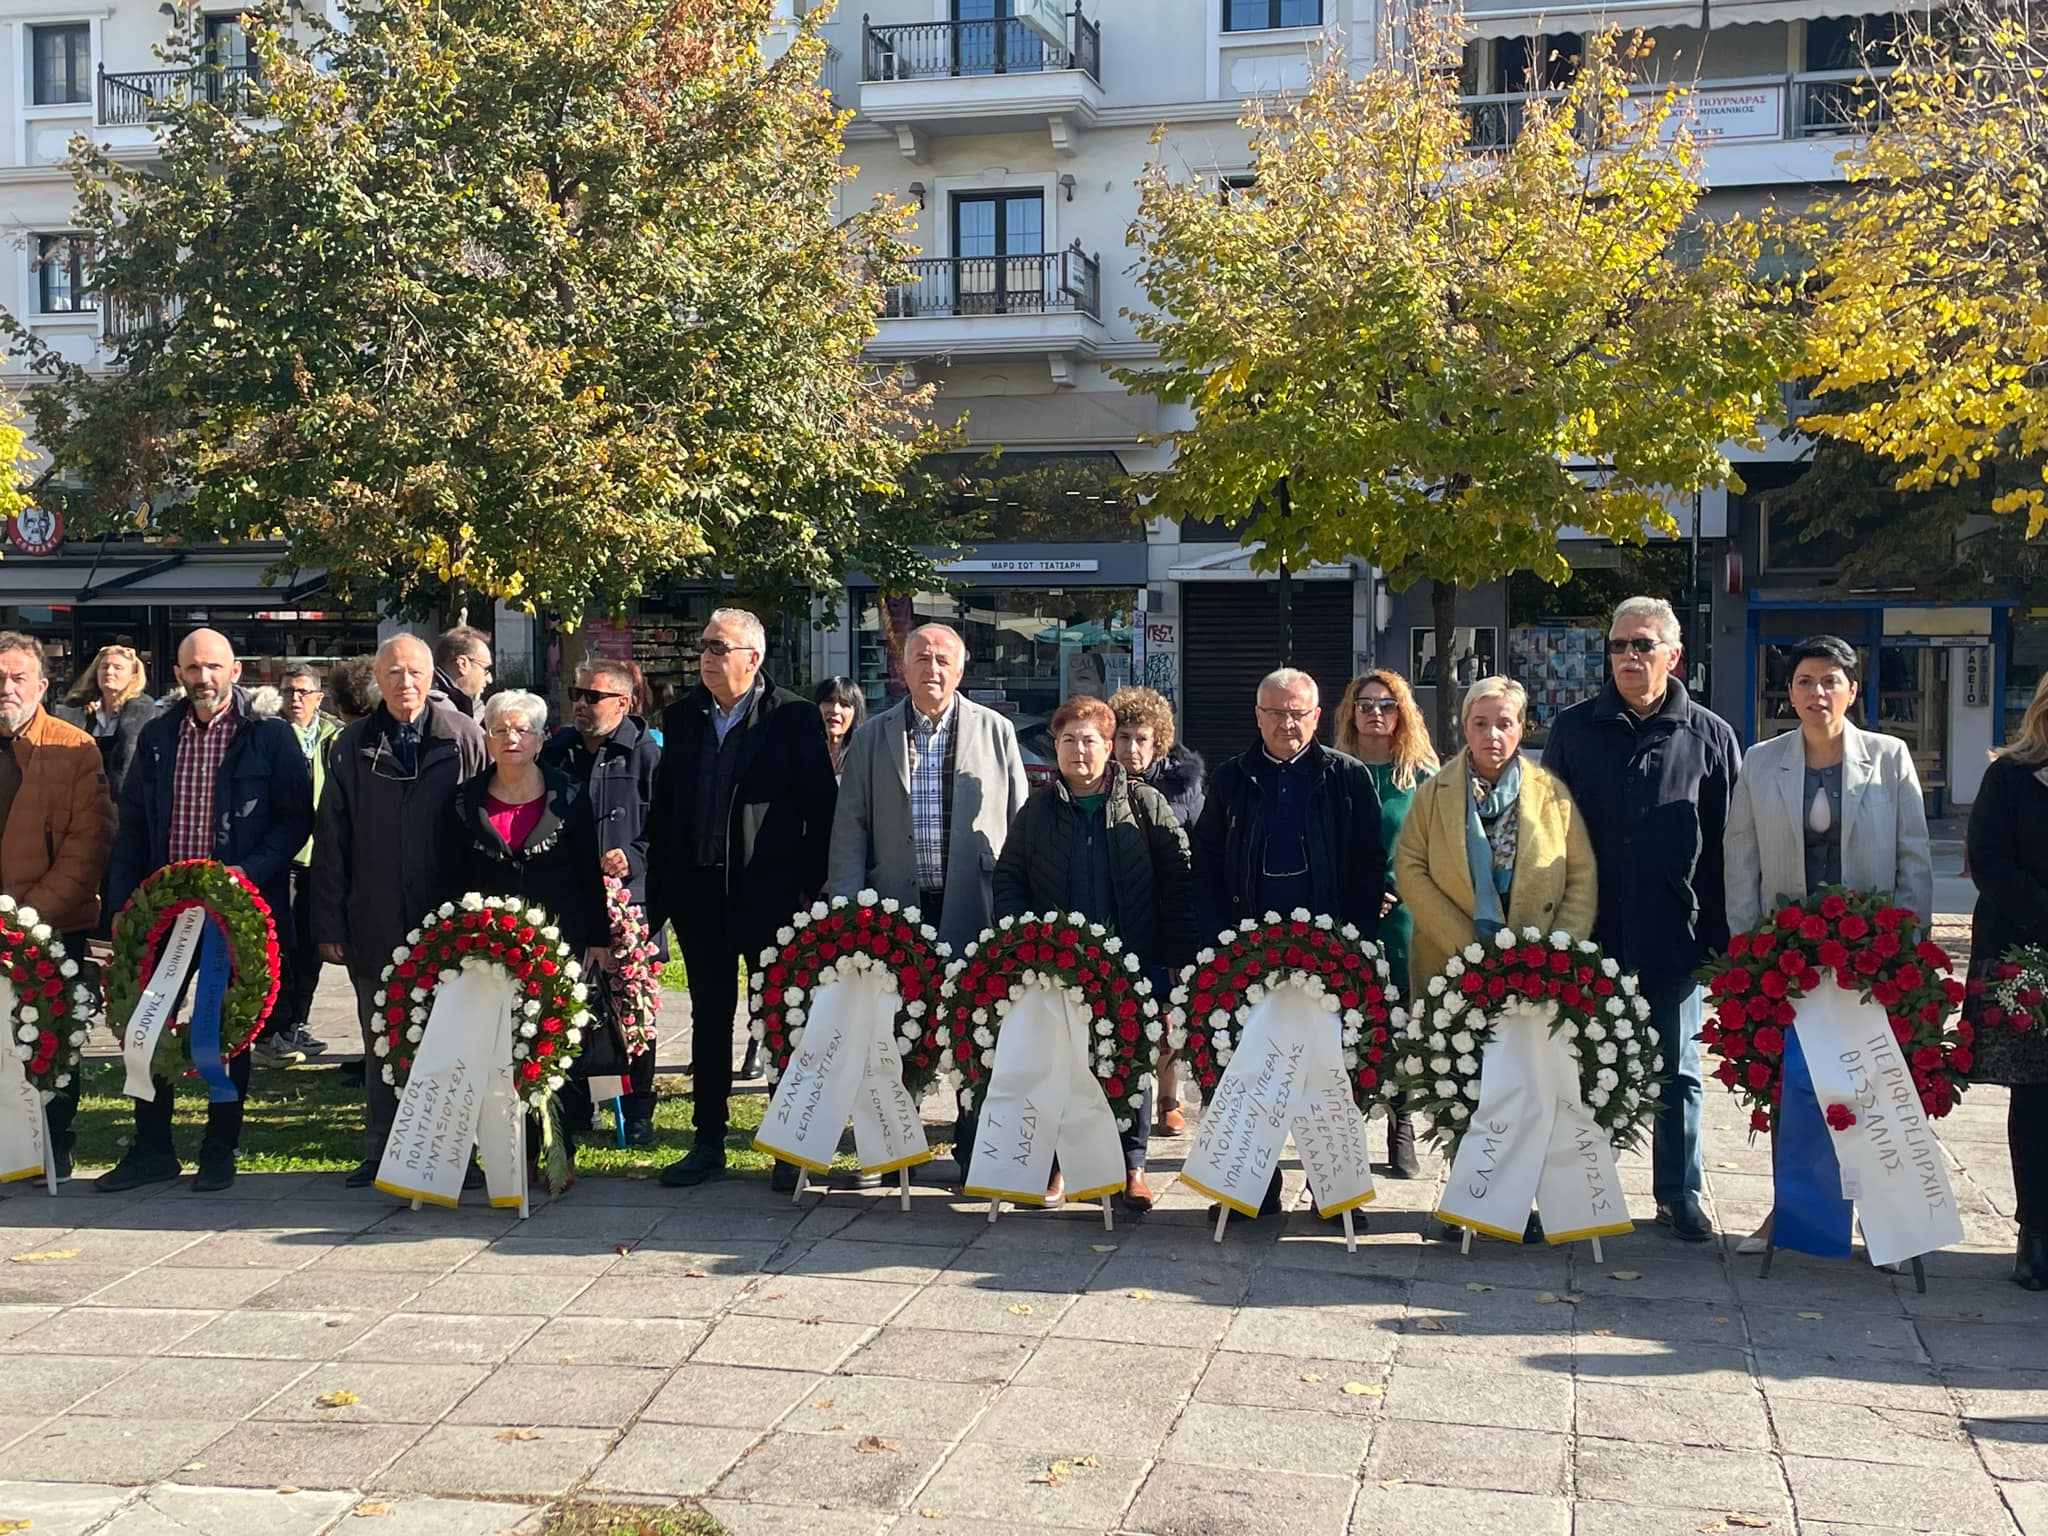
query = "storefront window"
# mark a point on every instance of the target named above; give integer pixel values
(1028, 647)
(661, 635)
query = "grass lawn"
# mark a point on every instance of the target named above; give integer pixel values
(304, 1119)
(630, 1520)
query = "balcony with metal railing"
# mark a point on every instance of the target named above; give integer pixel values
(1755, 129)
(122, 315)
(142, 97)
(997, 76)
(1028, 304)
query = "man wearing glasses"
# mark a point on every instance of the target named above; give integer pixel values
(1653, 771)
(462, 668)
(285, 1040)
(608, 750)
(376, 847)
(738, 828)
(1289, 822)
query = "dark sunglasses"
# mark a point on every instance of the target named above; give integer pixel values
(721, 648)
(1376, 706)
(1642, 645)
(591, 695)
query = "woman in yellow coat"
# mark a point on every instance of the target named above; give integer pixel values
(1493, 840)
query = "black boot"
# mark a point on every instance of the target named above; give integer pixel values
(1402, 1163)
(750, 1065)
(2030, 1263)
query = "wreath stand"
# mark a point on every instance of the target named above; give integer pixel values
(1465, 1248)
(803, 1184)
(525, 1181)
(1350, 1230)
(995, 1209)
(1919, 1270)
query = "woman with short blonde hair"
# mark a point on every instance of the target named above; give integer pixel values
(114, 693)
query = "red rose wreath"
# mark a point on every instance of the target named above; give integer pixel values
(53, 1008)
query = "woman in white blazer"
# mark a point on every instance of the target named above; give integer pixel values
(1827, 804)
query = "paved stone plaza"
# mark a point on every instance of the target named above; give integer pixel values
(843, 1367)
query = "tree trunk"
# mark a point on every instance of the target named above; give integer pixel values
(455, 601)
(575, 647)
(1286, 615)
(1443, 606)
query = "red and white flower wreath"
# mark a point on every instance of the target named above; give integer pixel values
(508, 935)
(1346, 973)
(53, 1009)
(1096, 972)
(842, 938)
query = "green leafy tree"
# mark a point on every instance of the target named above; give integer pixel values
(1439, 359)
(540, 299)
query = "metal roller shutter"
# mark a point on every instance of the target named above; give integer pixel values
(1231, 638)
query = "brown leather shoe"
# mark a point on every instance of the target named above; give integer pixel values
(1171, 1121)
(1137, 1193)
(1056, 1189)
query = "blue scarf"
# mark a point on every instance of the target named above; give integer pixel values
(1489, 883)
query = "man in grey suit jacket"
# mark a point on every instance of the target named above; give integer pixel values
(927, 794)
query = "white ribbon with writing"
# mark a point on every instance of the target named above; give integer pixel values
(846, 1065)
(23, 1130)
(1043, 1099)
(153, 1010)
(460, 1094)
(1892, 1166)
(1532, 1143)
(1285, 1076)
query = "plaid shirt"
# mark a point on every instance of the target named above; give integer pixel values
(193, 770)
(930, 744)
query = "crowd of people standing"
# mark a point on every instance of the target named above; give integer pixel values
(358, 801)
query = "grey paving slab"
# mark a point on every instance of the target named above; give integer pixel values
(2029, 1505)
(870, 1302)
(481, 1461)
(1690, 1476)
(110, 1331)
(251, 1334)
(1858, 1432)
(1407, 1508)
(208, 1389)
(1296, 1331)
(754, 1518)
(314, 1289)
(382, 1393)
(1674, 1416)
(1467, 1456)
(172, 1286)
(732, 1396)
(967, 1308)
(935, 1354)
(60, 1509)
(1148, 1371)
(1861, 1492)
(2016, 1450)
(266, 1455)
(47, 1384)
(78, 1449)
(1061, 1423)
(1308, 1385)
(1504, 1400)
(892, 1406)
(597, 1396)
(785, 1343)
(653, 1292)
(389, 1514)
(514, 1295)
(441, 1337)
(1028, 1489)
(672, 1460)
(611, 1341)
(1136, 1315)
(56, 1285)
(1269, 1439)
(1884, 1382)
(831, 1470)
(1590, 1517)
(1180, 1499)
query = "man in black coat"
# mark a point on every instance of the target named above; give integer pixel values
(210, 780)
(739, 834)
(1652, 772)
(609, 752)
(1289, 823)
(377, 850)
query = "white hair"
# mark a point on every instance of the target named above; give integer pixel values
(947, 630)
(749, 625)
(1656, 610)
(266, 702)
(1495, 688)
(531, 709)
(1287, 679)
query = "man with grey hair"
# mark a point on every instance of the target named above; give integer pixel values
(377, 847)
(1652, 771)
(739, 818)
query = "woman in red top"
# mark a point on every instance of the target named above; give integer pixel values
(519, 829)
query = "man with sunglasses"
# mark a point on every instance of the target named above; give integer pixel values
(285, 1041)
(1652, 771)
(738, 831)
(377, 845)
(608, 750)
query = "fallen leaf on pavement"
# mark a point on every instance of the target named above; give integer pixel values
(193, 1466)
(1103, 1247)
(775, 1296)
(335, 1322)
(1569, 1298)
(693, 1274)
(1727, 1165)
(1624, 1274)
(1811, 1317)
(14, 1525)
(823, 1402)
(874, 1445)
(520, 1433)
(1054, 1476)
(341, 1397)
(1750, 1522)
(287, 1487)
(830, 1427)
(1360, 1389)
(1477, 1285)
(1311, 1375)
(1603, 1333)
(929, 1513)
(1086, 1461)
(1721, 1321)
(371, 1510)
(621, 1248)
(1021, 1308)
(42, 1256)
(1210, 1280)
(813, 1322)
(1392, 1482)
(1430, 1324)
(1138, 1295)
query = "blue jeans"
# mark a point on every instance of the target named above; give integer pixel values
(1675, 1013)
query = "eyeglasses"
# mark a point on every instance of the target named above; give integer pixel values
(1294, 715)
(1376, 706)
(724, 648)
(591, 695)
(1642, 645)
(510, 732)
(302, 693)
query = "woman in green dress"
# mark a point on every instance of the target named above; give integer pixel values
(1380, 725)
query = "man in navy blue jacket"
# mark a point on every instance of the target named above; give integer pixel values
(209, 781)
(1652, 771)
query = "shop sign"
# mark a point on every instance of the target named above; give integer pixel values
(1977, 676)
(1019, 567)
(1737, 113)
(36, 530)
(1048, 18)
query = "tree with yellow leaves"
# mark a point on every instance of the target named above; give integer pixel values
(1929, 341)
(1441, 359)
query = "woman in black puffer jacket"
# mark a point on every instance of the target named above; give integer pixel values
(1100, 844)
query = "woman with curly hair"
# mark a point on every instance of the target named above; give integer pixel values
(1379, 724)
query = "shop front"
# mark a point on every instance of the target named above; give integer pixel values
(660, 631)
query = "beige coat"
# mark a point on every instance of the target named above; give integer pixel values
(1553, 886)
